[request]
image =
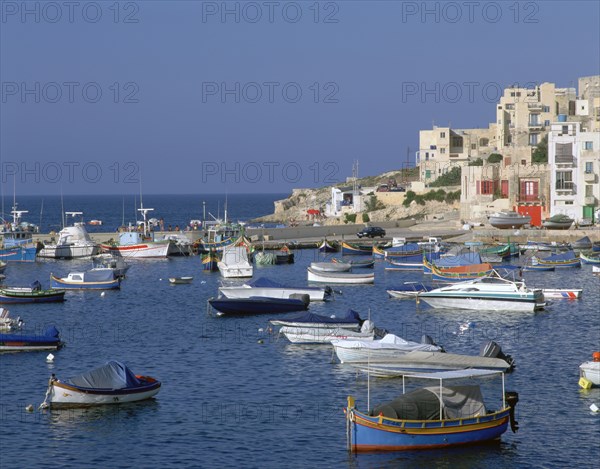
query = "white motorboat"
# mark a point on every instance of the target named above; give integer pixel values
(339, 277)
(235, 263)
(318, 335)
(110, 261)
(391, 346)
(409, 290)
(73, 242)
(491, 293)
(331, 266)
(591, 370)
(265, 287)
(508, 219)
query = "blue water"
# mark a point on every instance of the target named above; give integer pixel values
(229, 401)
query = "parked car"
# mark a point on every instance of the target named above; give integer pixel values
(371, 232)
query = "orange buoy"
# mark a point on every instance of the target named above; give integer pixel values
(596, 356)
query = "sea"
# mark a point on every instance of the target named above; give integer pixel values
(234, 394)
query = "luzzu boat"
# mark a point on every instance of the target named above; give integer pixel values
(96, 279)
(563, 260)
(461, 273)
(349, 249)
(589, 258)
(436, 416)
(325, 246)
(31, 294)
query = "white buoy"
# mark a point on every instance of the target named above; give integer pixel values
(594, 408)
(29, 408)
(160, 279)
(203, 282)
(260, 329)
(103, 293)
(50, 358)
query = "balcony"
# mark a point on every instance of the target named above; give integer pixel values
(590, 200)
(534, 106)
(589, 177)
(529, 198)
(565, 188)
(536, 125)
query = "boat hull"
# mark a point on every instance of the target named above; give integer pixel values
(18, 254)
(316, 335)
(331, 266)
(340, 277)
(64, 395)
(56, 282)
(315, 294)
(138, 251)
(355, 249)
(257, 305)
(68, 252)
(235, 271)
(570, 294)
(482, 303)
(591, 372)
(45, 296)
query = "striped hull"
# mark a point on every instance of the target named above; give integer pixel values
(484, 303)
(561, 265)
(138, 251)
(18, 254)
(382, 434)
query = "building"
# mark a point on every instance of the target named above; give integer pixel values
(574, 158)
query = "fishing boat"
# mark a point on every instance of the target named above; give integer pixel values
(589, 258)
(264, 287)
(179, 244)
(451, 260)
(591, 370)
(137, 245)
(351, 249)
(508, 219)
(31, 294)
(355, 263)
(325, 246)
(73, 242)
(17, 238)
(235, 263)
(2, 266)
(461, 273)
(284, 256)
(566, 293)
(436, 416)
(95, 279)
(112, 383)
(331, 266)
(405, 263)
(339, 277)
(351, 321)
(110, 261)
(403, 251)
(558, 222)
(258, 305)
(210, 261)
(409, 290)
(180, 280)
(7, 323)
(563, 260)
(317, 335)
(490, 293)
(49, 340)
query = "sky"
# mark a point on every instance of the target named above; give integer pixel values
(259, 97)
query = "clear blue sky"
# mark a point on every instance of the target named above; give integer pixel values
(170, 64)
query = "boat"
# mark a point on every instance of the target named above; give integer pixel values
(284, 256)
(331, 266)
(339, 277)
(95, 279)
(137, 245)
(258, 305)
(110, 261)
(31, 294)
(7, 323)
(403, 251)
(568, 293)
(111, 383)
(265, 258)
(450, 260)
(591, 370)
(210, 261)
(596, 270)
(508, 219)
(325, 246)
(351, 249)
(2, 266)
(490, 293)
(405, 263)
(317, 335)
(436, 416)
(179, 244)
(560, 261)
(351, 321)
(538, 268)
(234, 263)
(389, 347)
(355, 263)
(589, 258)
(558, 222)
(265, 287)
(49, 340)
(582, 244)
(73, 242)
(409, 290)
(180, 280)
(17, 238)
(95, 222)
(461, 273)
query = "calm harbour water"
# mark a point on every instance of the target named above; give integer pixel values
(229, 401)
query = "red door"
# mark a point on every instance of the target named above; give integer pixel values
(534, 211)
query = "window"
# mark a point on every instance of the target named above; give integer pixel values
(534, 119)
(546, 123)
(510, 107)
(529, 191)
(442, 134)
(589, 167)
(564, 180)
(588, 145)
(487, 187)
(533, 139)
(565, 129)
(504, 189)
(442, 150)
(484, 142)
(563, 153)
(457, 141)
(473, 146)
(589, 190)
(545, 108)
(523, 162)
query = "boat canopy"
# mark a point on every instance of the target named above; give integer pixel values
(112, 375)
(424, 404)
(351, 317)
(563, 256)
(468, 258)
(583, 243)
(99, 275)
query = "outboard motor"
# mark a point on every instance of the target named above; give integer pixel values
(367, 326)
(426, 339)
(511, 399)
(491, 349)
(328, 291)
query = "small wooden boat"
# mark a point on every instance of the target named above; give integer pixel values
(7, 323)
(180, 280)
(339, 277)
(538, 268)
(50, 340)
(405, 263)
(460, 273)
(96, 279)
(591, 370)
(258, 305)
(356, 263)
(210, 261)
(560, 261)
(112, 383)
(32, 294)
(589, 258)
(437, 416)
(316, 335)
(567, 293)
(349, 249)
(331, 266)
(558, 222)
(325, 246)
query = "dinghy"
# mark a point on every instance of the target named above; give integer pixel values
(339, 277)
(50, 340)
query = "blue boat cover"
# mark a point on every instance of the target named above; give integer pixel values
(409, 247)
(468, 258)
(112, 375)
(107, 275)
(563, 256)
(51, 334)
(352, 317)
(36, 285)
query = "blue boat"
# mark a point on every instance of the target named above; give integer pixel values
(438, 416)
(95, 279)
(17, 239)
(351, 320)
(349, 249)
(49, 340)
(31, 294)
(327, 247)
(468, 258)
(258, 305)
(538, 268)
(560, 261)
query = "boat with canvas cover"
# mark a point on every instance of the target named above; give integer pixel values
(331, 266)
(49, 340)
(318, 335)
(95, 279)
(435, 416)
(351, 321)
(259, 305)
(558, 222)
(31, 294)
(491, 293)
(582, 244)
(339, 277)
(269, 288)
(112, 383)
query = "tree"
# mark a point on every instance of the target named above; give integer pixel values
(495, 158)
(477, 162)
(540, 154)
